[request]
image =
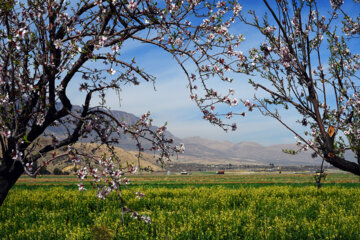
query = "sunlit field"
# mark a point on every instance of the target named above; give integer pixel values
(198, 206)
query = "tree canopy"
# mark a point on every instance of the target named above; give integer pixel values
(308, 62)
(46, 44)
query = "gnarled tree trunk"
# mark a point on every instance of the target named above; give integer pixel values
(8, 177)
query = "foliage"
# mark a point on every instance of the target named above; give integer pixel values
(47, 45)
(307, 62)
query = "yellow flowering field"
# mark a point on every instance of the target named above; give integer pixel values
(215, 212)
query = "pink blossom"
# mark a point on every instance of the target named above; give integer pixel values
(146, 219)
(81, 187)
(7, 133)
(181, 148)
(125, 181)
(58, 44)
(223, 30)
(269, 29)
(40, 120)
(101, 42)
(115, 48)
(21, 33)
(29, 166)
(132, 168)
(135, 215)
(104, 192)
(75, 159)
(111, 71)
(139, 194)
(161, 130)
(220, 4)
(237, 9)
(216, 68)
(235, 102)
(335, 4)
(132, 5)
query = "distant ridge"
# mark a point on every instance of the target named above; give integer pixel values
(251, 153)
(205, 151)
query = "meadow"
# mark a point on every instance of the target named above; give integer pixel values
(199, 206)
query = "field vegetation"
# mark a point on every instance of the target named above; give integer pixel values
(230, 179)
(199, 206)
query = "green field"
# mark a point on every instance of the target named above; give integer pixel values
(232, 180)
(199, 206)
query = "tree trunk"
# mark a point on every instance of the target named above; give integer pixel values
(343, 164)
(8, 179)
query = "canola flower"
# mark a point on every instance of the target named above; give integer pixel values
(269, 212)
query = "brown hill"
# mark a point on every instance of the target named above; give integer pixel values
(147, 160)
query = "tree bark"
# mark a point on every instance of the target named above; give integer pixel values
(344, 165)
(8, 179)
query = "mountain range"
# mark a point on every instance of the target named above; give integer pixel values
(243, 153)
(206, 151)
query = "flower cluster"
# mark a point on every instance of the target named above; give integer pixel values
(107, 177)
(335, 4)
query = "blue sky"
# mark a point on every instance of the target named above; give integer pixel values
(171, 102)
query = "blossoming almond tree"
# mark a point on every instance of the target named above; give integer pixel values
(47, 44)
(308, 62)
